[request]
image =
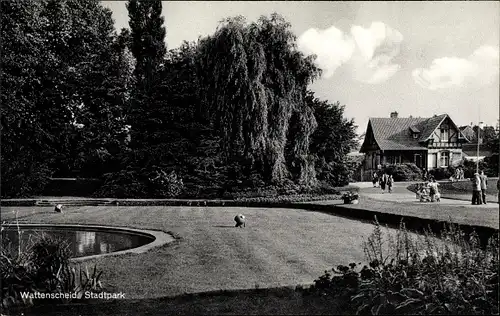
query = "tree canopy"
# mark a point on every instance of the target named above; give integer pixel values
(254, 79)
(232, 109)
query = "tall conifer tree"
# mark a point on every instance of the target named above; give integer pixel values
(148, 48)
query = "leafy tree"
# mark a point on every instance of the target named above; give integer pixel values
(61, 84)
(333, 139)
(253, 81)
(25, 150)
(150, 149)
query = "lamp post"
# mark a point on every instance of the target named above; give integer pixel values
(478, 133)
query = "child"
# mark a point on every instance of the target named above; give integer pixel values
(419, 191)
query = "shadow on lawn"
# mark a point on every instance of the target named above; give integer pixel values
(271, 301)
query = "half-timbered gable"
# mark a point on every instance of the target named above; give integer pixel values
(428, 142)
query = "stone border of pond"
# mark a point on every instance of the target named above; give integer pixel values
(159, 238)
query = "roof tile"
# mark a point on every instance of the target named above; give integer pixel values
(396, 133)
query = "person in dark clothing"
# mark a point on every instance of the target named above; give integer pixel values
(476, 189)
(375, 179)
(383, 181)
(484, 185)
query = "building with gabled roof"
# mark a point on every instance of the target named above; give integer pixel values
(430, 143)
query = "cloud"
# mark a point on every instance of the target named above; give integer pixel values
(480, 68)
(377, 46)
(369, 51)
(331, 47)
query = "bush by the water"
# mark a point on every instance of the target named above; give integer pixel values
(404, 172)
(43, 267)
(417, 275)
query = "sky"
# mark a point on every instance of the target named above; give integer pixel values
(416, 58)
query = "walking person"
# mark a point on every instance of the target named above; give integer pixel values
(484, 186)
(375, 179)
(390, 182)
(382, 182)
(476, 189)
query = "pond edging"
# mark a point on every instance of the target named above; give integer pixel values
(160, 238)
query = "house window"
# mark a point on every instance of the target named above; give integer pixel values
(445, 159)
(444, 135)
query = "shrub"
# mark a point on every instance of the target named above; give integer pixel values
(404, 172)
(41, 267)
(122, 184)
(20, 181)
(333, 173)
(442, 173)
(72, 187)
(142, 183)
(163, 184)
(417, 275)
(470, 167)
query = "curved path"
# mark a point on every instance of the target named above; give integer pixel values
(404, 202)
(401, 194)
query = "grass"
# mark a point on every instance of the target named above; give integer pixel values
(279, 247)
(461, 190)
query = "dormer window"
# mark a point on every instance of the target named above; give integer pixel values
(415, 132)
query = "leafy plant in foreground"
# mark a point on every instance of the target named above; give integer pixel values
(41, 266)
(409, 274)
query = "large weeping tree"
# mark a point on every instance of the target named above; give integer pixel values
(255, 80)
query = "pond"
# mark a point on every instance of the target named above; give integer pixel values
(82, 241)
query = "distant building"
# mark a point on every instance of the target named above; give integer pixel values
(430, 143)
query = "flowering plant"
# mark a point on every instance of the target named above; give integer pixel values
(349, 196)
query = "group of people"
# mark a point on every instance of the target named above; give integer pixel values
(459, 175)
(428, 191)
(385, 180)
(479, 186)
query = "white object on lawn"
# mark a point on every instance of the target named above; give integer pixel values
(58, 208)
(240, 220)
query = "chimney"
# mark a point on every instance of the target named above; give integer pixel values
(394, 114)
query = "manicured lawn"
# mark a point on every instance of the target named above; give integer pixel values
(278, 247)
(461, 190)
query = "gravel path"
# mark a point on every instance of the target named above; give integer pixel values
(404, 202)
